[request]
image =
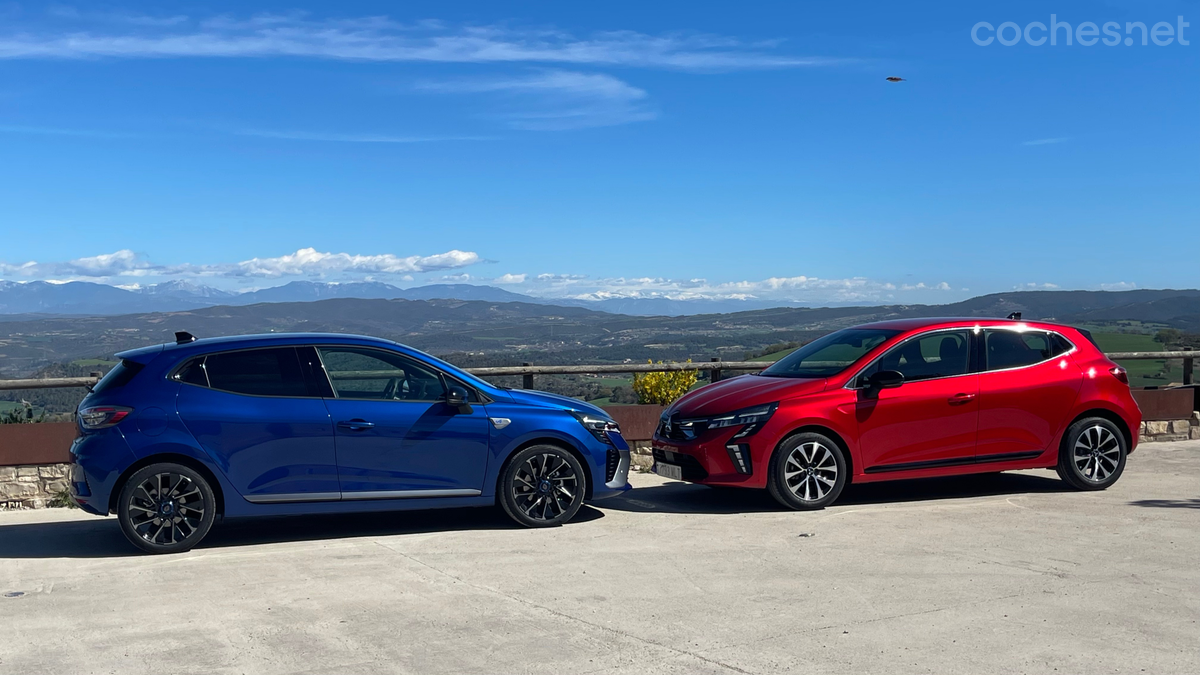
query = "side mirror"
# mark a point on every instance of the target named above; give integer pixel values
(885, 379)
(457, 397)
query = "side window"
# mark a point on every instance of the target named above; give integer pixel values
(1059, 344)
(938, 354)
(1010, 349)
(259, 372)
(193, 373)
(380, 375)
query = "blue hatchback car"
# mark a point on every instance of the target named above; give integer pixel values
(177, 435)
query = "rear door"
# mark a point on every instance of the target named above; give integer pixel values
(1026, 391)
(396, 436)
(931, 419)
(258, 416)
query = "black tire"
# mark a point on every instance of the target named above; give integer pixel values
(1093, 454)
(807, 472)
(542, 486)
(166, 508)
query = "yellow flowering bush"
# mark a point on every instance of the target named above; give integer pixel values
(663, 388)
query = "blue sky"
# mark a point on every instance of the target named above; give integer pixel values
(681, 149)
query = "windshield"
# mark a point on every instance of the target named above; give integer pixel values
(831, 354)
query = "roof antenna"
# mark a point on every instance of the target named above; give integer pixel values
(1015, 316)
(182, 337)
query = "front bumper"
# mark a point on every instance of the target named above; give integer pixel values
(716, 458)
(615, 470)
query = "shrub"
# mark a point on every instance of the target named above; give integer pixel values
(22, 415)
(662, 388)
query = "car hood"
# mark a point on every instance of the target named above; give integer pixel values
(743, 392)
(548, 400)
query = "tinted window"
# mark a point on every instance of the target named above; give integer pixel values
(259, 372)
(1059, 344)
(831, 354)
(193, 373)
(118, 377)
(379, 375)
(940, 354)
(1010, 349)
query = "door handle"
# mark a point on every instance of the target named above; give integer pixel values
(356, 425)
(959, 399)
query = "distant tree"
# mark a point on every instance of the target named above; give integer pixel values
(1169, 336)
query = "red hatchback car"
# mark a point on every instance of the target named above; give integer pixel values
(911, 398)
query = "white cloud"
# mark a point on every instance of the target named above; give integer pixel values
(557, 99)
(1047, 141)
(306, 262)
(793, 289)
(1119, 286)
(1034, 286)
(380, 39)
(510, 279)
(310, 262)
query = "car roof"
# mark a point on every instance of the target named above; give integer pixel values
(908, 325)
(259, 340)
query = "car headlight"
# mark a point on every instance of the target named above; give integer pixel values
(598, 426)
(751, 418)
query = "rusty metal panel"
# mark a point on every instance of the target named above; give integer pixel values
(637, 421)
(46, 443)
(1165, 404)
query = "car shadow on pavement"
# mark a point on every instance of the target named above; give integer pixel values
(102, 537)
(676, 497)
(1168, 503)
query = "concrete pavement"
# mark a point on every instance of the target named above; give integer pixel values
(989, 574)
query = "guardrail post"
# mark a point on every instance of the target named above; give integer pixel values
(1188, 362)
(527, 378)
(715, 375)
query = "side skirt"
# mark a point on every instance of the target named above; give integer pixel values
(958, 461)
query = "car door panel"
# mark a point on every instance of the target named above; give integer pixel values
(1022, 409)
(270, 449)
(408, 446)
(926, 423)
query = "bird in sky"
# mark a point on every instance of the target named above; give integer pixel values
(896, 79)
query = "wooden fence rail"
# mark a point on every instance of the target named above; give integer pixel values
(528, 370)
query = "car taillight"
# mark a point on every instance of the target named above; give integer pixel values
(1119, 373)
(102, 416)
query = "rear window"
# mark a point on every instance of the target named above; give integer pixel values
(121, 375)
(257, 372)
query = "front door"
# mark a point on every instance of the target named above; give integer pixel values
(256, 414)
(931, 419)
(396, 436)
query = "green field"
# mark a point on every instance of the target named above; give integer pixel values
(84, 363)
(1142, 373)
(774, 356)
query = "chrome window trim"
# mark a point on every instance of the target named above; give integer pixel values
(873, 361)
(1016, 328)
(1070, 351)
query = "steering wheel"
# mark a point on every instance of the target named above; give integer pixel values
(389, 392)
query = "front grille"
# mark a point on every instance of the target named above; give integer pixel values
(681, 431)
(612, 461)
(692, 469)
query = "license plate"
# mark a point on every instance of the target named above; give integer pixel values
(672, 471)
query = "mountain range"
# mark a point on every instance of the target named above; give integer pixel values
(494, 332)
(82, 297)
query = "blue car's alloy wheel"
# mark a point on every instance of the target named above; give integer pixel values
(166, 508)
(542, 486)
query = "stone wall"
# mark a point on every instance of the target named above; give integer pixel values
(1171, 430)
(31, 487)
